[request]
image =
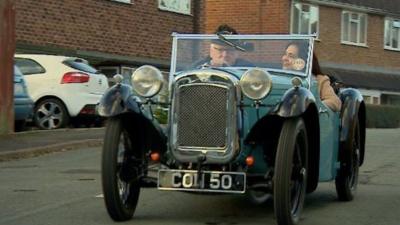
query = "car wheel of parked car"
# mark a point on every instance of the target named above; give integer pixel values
(290, 176)
(50, 114)
(347, 178)
(121, 171)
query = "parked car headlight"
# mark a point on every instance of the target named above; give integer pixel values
(147, 81)
(256, 83)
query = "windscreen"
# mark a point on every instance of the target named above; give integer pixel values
(286, 55)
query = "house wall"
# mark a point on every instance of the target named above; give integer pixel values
(330, 49)
(139, 29)
(273, 17)
(248, 16)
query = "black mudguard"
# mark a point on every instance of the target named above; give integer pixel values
(353, 108)
(299, 101)
(295, 102)
(119, 101)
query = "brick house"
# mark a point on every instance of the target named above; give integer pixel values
(114, 35)
(357, 40)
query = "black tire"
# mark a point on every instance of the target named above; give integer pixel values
(19, 125)
(50, 114)
(290, 176)
(120, 172)
(347, 178)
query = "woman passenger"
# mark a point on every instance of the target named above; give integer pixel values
(326, 92)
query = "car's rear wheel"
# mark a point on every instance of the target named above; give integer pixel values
(347, 177)
(122, 166)
(290, 176)
(50, 114)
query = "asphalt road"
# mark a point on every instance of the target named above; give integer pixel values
(64, 188)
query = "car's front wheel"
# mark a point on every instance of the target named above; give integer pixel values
(50, 114)
(290, 176)
(122, 166)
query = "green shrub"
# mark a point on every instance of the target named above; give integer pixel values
(161, 115)
(383, 116)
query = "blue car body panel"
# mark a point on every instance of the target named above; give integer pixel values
(23, 104)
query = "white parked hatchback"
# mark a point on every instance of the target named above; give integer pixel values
(62, 87)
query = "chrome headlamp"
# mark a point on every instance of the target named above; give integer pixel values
(256, 83)
(147, 81)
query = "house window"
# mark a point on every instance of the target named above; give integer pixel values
(127, 72)
(181, 6)
(375, 100)
(354, 28)
(392, 34)
(123, 1)
(304, 19)
(109, 71)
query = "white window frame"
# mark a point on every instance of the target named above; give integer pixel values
(371, 94)
(390, 47)
(299, 25)
(348, 42)
(123, 1)
(110, 78)
(175, 6)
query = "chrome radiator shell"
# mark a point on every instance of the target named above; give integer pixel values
(203, 117)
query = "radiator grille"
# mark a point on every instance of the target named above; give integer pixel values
(202, 115)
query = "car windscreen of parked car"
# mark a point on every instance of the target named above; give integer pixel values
(80, 64)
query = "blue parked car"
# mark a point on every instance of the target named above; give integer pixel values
(252, 123)
(23, 104)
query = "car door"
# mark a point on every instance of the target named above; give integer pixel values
(329, 138)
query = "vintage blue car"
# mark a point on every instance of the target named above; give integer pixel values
(251, 123)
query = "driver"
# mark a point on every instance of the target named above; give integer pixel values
(293, 60)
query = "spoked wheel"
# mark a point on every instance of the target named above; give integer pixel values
(122, 166)
(290, 178)
(347, 178)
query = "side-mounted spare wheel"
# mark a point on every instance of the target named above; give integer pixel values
(290, 177)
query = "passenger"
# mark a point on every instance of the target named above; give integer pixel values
(292, 60)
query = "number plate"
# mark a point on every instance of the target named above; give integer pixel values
(206, 181)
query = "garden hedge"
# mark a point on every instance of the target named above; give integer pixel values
(383, 116)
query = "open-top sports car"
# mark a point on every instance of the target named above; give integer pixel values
(250, 125)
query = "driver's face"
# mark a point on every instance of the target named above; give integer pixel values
(221, 55)
(291, 53)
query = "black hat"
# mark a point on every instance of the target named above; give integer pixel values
(225, 29)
